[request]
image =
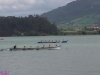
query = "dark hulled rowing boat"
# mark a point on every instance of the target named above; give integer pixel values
(53, 41)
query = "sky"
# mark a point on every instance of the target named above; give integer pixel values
(29, 7)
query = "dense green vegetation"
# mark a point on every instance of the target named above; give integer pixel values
(26, 26)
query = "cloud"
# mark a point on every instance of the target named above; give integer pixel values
(27, 7)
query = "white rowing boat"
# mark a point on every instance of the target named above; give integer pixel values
(37, 48)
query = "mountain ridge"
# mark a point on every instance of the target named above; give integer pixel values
(73, 10)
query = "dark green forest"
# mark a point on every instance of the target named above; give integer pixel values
(26, 26)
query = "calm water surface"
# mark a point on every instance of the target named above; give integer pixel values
(80, 56)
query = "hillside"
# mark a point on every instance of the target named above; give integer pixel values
(88, 20)
(76, 12)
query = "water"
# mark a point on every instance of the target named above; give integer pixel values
(80, 56)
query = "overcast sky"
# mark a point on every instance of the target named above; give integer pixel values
(27, 7)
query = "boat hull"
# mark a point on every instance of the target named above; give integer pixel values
(37, 48)
(52, 48)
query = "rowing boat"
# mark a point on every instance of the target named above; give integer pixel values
(53, 41)
(37, 48)
(16, 49)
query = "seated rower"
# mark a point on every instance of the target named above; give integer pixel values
(49, 45)
(56, 45)
(37, 48)
(24, 48)
(43, 46)
(15, 47)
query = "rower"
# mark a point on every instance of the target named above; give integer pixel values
(15, 47)
(45, 41)
(49, 45)
(24, 48)
(43, 46)
(37, 48)
(41, 40)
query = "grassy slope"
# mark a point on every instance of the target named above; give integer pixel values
(88, 20)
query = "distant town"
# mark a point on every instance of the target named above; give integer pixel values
(89, 30)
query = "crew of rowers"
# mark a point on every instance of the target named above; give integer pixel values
(23, 48)
(31, 47)
(48, 46)
(51, 41)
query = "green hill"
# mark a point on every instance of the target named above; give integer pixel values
(78, 13)
(88, 20)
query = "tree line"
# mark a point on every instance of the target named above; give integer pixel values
(26, 26)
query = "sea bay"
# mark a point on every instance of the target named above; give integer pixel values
(80, 56)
